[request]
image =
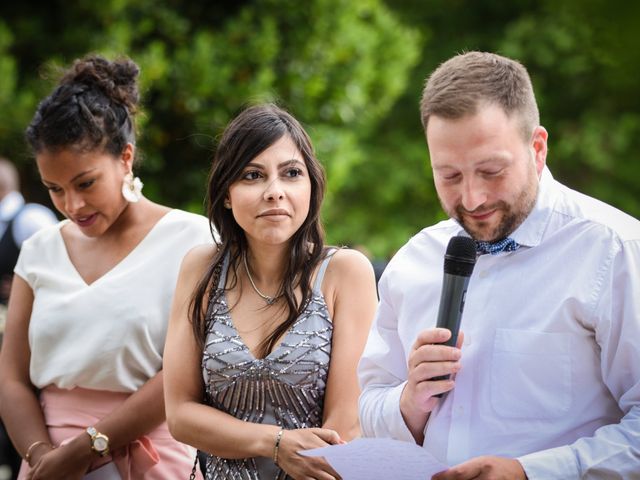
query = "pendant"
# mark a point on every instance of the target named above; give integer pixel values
(270, 300)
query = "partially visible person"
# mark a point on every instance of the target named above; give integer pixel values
(81, 362)
(546, 383)
(267, 327)
(18, 221)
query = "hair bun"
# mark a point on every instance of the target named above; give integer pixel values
(116, 79)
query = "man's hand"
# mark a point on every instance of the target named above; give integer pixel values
(484, 468)
(426, 361)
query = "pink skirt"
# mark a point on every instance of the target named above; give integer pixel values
(154, 456)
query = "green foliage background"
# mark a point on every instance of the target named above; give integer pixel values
(352, 72)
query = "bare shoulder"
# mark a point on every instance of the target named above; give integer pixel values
(350, 276)
(347, 266)
(347, 258)
(197, 260)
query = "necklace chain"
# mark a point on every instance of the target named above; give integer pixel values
(266, 298)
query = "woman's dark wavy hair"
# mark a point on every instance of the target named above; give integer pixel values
(92, 108)
(254, 130)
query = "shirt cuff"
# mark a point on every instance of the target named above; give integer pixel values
(555, 463)
(393, 416)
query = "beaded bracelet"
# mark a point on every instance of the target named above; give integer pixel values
(27, 456)
(277, 446)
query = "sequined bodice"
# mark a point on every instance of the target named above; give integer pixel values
(285, 388)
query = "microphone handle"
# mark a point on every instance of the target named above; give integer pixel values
(454, 290)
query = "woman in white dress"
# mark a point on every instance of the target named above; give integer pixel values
(81, 364)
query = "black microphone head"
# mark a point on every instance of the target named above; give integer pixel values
(460, 257)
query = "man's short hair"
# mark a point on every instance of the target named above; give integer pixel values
(463, 83)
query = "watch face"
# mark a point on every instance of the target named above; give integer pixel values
(100, 444)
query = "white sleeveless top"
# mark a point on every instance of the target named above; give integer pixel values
(108, 335)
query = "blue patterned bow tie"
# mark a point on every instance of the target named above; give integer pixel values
(504, 245)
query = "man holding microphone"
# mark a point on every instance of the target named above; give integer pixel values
(545, 381)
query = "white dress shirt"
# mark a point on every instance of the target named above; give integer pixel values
(110, 334)
(551, 356)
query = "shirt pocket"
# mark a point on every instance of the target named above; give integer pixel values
(530, 374)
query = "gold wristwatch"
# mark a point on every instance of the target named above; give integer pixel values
(99, 441)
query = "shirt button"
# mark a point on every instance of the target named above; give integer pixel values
(483, 274)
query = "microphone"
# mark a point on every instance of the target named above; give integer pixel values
(459, 260)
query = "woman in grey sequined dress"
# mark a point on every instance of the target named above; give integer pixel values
(260, 362)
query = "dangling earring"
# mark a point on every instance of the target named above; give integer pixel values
(131, 188)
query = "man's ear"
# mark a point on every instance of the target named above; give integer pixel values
(539, 147)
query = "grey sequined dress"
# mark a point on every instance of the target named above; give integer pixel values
(285, 388)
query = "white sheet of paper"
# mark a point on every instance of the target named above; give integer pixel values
(379, 458)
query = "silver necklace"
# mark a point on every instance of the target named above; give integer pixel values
(266, 298)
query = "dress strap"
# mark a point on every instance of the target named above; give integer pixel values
(223, 274)
(323, 268)
(213, 305)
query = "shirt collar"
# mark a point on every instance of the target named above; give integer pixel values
(530, 232)
(9, 205)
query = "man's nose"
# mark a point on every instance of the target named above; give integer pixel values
(474, 194)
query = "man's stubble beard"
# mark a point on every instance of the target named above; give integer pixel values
(512, 215)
